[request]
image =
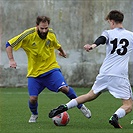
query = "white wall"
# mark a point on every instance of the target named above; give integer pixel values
(75, 22)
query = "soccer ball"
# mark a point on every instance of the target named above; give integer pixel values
(61, 119)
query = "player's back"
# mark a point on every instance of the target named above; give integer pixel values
(119, 46)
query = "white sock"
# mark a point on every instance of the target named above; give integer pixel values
(72, 103)
(120, 113)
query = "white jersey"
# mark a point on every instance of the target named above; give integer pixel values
(119, 45)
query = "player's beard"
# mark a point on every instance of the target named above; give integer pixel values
(42, 35)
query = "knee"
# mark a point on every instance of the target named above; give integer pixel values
(33, 99)
(64, 89)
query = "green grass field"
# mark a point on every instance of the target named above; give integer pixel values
(14, 113)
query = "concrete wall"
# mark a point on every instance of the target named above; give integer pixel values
(75, 22)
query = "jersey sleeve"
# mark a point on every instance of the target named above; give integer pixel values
(57, 45)
(100, 40)
(16, 42)
(106, 35)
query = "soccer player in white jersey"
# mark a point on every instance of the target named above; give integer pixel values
(40, 43)
(113, 74)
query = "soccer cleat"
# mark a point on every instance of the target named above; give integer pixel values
(86, 112)
(57, 111)
(33, 118)
(114, 121)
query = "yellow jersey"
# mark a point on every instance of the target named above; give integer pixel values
(40, 52)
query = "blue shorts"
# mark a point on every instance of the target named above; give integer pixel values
(53, 81)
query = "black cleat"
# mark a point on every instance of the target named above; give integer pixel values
(114, 121)
(57, 111)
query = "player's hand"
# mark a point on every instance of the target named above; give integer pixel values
(12, 64)
(89, 47)
(62, 54)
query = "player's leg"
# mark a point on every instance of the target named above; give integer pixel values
(127, 106)
(34, 89)
(82, 99)
(98, 86)
(120, 88)
(58, 83)
(70, 93)
(33, 108)
(74, 102)
(121, 112)
(33, 104)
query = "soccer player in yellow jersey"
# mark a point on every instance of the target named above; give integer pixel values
(40, 43)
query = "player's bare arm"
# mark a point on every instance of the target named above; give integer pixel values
(62, 53)
(12, 62)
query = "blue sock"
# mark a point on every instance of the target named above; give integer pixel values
(33, 108)
(71, 94)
